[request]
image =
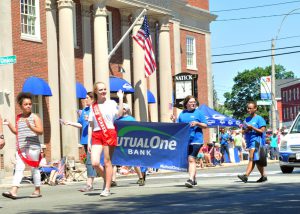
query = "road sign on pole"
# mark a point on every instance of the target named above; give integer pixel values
(264, 102)
(4, 60)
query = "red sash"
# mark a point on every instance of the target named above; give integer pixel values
(107, 137)
(26, 160)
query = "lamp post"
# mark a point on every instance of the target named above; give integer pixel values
(273, 87)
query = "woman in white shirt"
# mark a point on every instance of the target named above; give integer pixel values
(102, 135)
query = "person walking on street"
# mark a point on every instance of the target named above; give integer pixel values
(28, 127)
(83, 123)
(238, 143)
(197, 121)
(254, 129)
(102, 135)
(224, 141)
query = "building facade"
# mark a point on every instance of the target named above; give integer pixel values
(67, 41)
(290, 101)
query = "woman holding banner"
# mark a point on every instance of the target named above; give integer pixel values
(28, 127)
(254, 128)
(197, 121)
(102, 135)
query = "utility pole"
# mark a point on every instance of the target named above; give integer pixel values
(274, 104)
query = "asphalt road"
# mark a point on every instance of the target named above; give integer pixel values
(218, 191)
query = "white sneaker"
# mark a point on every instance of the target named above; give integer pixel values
(105, 193)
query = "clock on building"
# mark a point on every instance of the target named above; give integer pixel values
(183, 89)
(185, 84)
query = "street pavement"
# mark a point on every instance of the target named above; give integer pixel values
(218, 191)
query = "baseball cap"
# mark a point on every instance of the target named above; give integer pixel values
(126, 106)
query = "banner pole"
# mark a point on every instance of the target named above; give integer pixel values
(125, 35)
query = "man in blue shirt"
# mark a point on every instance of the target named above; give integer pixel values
(83, 123)
(224, 140)
(254, 129)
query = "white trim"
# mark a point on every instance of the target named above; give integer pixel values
(37, 36)
(193, 66)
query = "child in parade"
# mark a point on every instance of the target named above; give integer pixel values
(102, 135)
(28, 127)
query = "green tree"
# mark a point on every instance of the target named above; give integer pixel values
(247, 88)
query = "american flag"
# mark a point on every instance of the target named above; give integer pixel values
(143, 38)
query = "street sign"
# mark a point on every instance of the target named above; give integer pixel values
(4, 60)
(264, 102)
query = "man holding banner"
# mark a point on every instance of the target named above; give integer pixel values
(197, 122)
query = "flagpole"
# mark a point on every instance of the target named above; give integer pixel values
(126, 34)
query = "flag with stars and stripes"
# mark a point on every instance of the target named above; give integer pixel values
(143, 38)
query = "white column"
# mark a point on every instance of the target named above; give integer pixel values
(67, 77)
(87, 47)
(126, 54)
(153, 107)
(7, 99)
(51, 23)
(165, 72)
(100, 44)
(140, 83)
(177, 49)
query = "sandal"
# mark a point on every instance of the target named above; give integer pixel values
(35, 195)
(9, 195)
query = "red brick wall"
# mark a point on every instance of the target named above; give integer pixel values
(290, 103)
(201, 65)
(203, 4)
(78, 51)
(31, 59)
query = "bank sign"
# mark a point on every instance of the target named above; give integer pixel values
(154, 145)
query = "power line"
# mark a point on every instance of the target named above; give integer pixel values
(258, 6)
(254, 17)
(250, 43)
(263, 50)
(257, 57)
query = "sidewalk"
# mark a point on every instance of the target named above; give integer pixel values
(6, 181)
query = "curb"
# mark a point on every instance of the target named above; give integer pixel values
(6, 182)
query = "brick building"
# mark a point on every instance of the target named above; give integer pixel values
(67, 41)
(290, 101)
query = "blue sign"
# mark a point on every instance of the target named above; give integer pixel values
(154, 145)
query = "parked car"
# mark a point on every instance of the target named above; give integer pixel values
(289, 151)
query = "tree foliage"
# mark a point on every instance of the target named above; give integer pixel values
(247, 88)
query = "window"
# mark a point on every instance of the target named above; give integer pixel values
(109, 31)
(297, 93)
(290, 95)
(30, 20)
(37, 108)
(294, 93)
(190, 53)
(284, 116)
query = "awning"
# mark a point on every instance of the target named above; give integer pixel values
(80, 91)
(36, 86)
(117, 83)
(151, 98)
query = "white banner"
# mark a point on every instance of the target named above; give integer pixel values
(265, 88)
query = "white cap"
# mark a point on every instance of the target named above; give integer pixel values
(126, 106)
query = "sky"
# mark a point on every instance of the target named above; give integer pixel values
(238, 32)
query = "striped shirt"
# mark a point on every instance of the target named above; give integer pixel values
(26, 137)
